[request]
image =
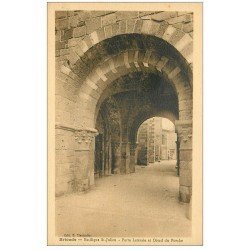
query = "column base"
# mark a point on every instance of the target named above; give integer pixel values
(116, 171)
(132, 170)
(81, 185)
(185, 194)
(189, 210)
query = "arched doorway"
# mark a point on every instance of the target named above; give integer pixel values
(146, 72)
(156, 141)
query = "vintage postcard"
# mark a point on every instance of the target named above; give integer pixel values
(125, 124)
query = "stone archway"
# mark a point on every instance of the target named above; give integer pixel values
(156, 140)
(89, 69)
(109, 122)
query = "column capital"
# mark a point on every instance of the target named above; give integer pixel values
(183, 126)
(75, 128)
(184, 131)
(84, 138)
(183, 123)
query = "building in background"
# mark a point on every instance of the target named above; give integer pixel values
(156, 141)
(168, 147)
(142, 147)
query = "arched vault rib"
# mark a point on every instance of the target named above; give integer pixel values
(141, 82)
(132, 59)
(135, 107)
(178, 40)
(124, 64)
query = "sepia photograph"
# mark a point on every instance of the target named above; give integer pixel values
(117, 126)
(125, 124)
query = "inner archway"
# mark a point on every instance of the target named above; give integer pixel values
(138, 74)
(156, 141)
(131, 86)
(127, 102)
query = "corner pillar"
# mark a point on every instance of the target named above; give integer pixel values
(84, 159)
(125, 158)
(184, 131)
(132, 157)
(117, 157)
(177, 155)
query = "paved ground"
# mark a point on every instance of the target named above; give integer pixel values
(142, 204)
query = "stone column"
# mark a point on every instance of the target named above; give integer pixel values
(108, 161)
(125, 157)
(132, 157)
(106, 157)
(178, 155)
(184, 129)
(92, 136)
(84, 159)
(110, 158)
(136, 153)
(117, 157)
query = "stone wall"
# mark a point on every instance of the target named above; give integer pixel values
(184, 133)
(86, 66)
(85, 29)
(71, 26)
(65, 161)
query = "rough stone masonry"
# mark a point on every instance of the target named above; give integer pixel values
(114, 70)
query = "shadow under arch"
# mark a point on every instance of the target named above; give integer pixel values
(156, 83)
